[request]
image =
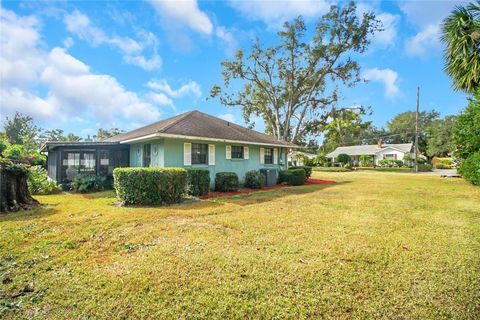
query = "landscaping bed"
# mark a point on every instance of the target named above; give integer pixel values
(310, 181)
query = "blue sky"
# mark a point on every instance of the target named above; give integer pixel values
(79, 66)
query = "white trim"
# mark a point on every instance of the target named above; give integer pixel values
(177, 136)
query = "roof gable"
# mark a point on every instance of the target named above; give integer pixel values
(201, 125)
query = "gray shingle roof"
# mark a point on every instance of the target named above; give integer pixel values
(201, 125)
(370, 149)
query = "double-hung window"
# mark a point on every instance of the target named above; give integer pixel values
(199, 153)
(147, 155)
(268, 156)
(237, 152)
(390, 156)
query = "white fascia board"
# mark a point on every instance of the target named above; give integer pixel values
(176, 136)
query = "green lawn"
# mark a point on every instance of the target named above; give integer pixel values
(373, 245)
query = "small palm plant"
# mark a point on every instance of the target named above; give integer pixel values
(461, 35)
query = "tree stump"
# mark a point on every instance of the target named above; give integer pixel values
(14, 193)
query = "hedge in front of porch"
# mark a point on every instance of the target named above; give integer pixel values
(150, 186)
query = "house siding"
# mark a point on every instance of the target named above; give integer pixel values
(170, 154)
(379, 155)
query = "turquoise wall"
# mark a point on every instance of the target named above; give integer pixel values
(170, 154)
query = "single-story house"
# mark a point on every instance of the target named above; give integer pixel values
(378, 151)
(189, 140)
(296, 157)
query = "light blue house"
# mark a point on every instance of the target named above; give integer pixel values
(189, 140)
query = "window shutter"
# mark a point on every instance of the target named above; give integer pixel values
(211, 154)
(246, 153)
(384, 156)
(395, 156)
(228, 152)
(187, 154)
(262, 155)
(275, 155)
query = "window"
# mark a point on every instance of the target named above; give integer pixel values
(237, 152)
(77, 161)
(147, 155)
(105, 165)
(390, 156)
(199, 153)
(268, 155)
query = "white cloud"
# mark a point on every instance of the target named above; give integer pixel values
(185, 12)
(227, 38)
(427, 17)
(159, 99)
(230, 117)
(190, 88)
(422, 42)
(386, 76)
(80, 25)
(72, 90)
(275, 13)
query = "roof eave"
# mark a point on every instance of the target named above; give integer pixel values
(177, 136)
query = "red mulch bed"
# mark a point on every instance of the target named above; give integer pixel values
(242, 191)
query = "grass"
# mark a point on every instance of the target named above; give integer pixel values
(386, 169)
(373, 245)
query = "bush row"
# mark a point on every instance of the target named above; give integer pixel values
(294, 177)
(308, 171)
(390, 163)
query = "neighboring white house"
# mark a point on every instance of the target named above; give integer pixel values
(296, 157)
(379, 152)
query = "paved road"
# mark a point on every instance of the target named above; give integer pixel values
(439, 172)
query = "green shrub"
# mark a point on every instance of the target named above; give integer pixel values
(442, 163)
(254, 179)
(39, 183)
(344, 158)
(390, 163)
(284, 176)
(320, 160)
(198, 181)
(470, 168)
(422, 167)
(366, 161)
(149, 186)
(294, 176)
(18, 152)
(87, 183)
(226, 181)
(308, 171)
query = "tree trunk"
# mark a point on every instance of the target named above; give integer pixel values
(14, 193)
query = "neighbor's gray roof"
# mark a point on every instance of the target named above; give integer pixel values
(201, 125)
(369, 149)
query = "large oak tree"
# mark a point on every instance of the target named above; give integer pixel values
(293, 86)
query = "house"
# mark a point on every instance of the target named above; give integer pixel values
(378, 151)
(189, 140)
(296, 157)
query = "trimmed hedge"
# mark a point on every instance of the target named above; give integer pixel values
(344, 158)
(254, 179)
(424, 167)
(198, 181)
(294, 177)
(226, 181)
(308, 171)
(149, 186)
(470, 169)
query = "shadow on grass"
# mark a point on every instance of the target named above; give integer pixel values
(110, 193)
(25, 215)
(269, 195)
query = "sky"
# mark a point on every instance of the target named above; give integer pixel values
(80, 66)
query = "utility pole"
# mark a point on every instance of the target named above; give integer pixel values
(416, 132)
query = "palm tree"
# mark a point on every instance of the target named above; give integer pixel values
(461, 35)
